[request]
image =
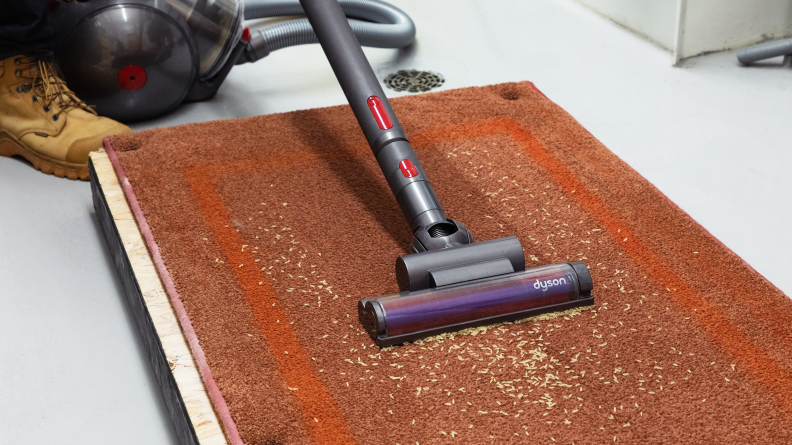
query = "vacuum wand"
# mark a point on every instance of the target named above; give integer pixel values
(385, 135)
(449, 282)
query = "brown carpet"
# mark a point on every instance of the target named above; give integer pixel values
(272, 228)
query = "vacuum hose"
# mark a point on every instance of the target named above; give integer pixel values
(385, 26)
(765, 51)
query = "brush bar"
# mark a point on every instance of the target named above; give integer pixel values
(408, 316)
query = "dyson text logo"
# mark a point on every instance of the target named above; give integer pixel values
(549, 283)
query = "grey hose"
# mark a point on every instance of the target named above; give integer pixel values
(764, 51)
(385, 25)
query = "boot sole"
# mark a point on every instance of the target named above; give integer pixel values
(11, 146)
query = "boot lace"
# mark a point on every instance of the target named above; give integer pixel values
(49, 87)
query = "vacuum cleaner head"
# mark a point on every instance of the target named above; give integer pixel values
(470, 285)
(449, 282)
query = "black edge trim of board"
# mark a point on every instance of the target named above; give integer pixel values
(170, 391)
(384, 342)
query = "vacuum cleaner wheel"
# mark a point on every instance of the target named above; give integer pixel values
(131, 62)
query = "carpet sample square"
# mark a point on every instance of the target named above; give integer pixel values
(268, 230)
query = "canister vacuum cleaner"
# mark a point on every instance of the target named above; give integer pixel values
(183, 49)
(137, 59)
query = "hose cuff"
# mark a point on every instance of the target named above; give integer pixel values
(257, 48)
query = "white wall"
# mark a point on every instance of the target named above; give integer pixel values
(652, 19)
(713, 25)
(707, 25)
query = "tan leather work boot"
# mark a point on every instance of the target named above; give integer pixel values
(44, 122)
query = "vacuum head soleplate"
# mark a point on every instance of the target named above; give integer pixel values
(414, 314)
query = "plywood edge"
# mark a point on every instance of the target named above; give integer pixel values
(188, 402)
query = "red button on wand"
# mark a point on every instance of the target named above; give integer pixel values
(380, 113)
(408, 168)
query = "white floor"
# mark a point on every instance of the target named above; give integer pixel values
(711, 135)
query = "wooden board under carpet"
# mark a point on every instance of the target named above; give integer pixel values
(191, 410)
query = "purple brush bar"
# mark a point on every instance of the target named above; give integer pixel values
(418, 314)
(457, 304)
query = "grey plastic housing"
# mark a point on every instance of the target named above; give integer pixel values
(585, 282)
(187, 47)
(423, 241)
(458, 264)
(87, 29)
(764, 51)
